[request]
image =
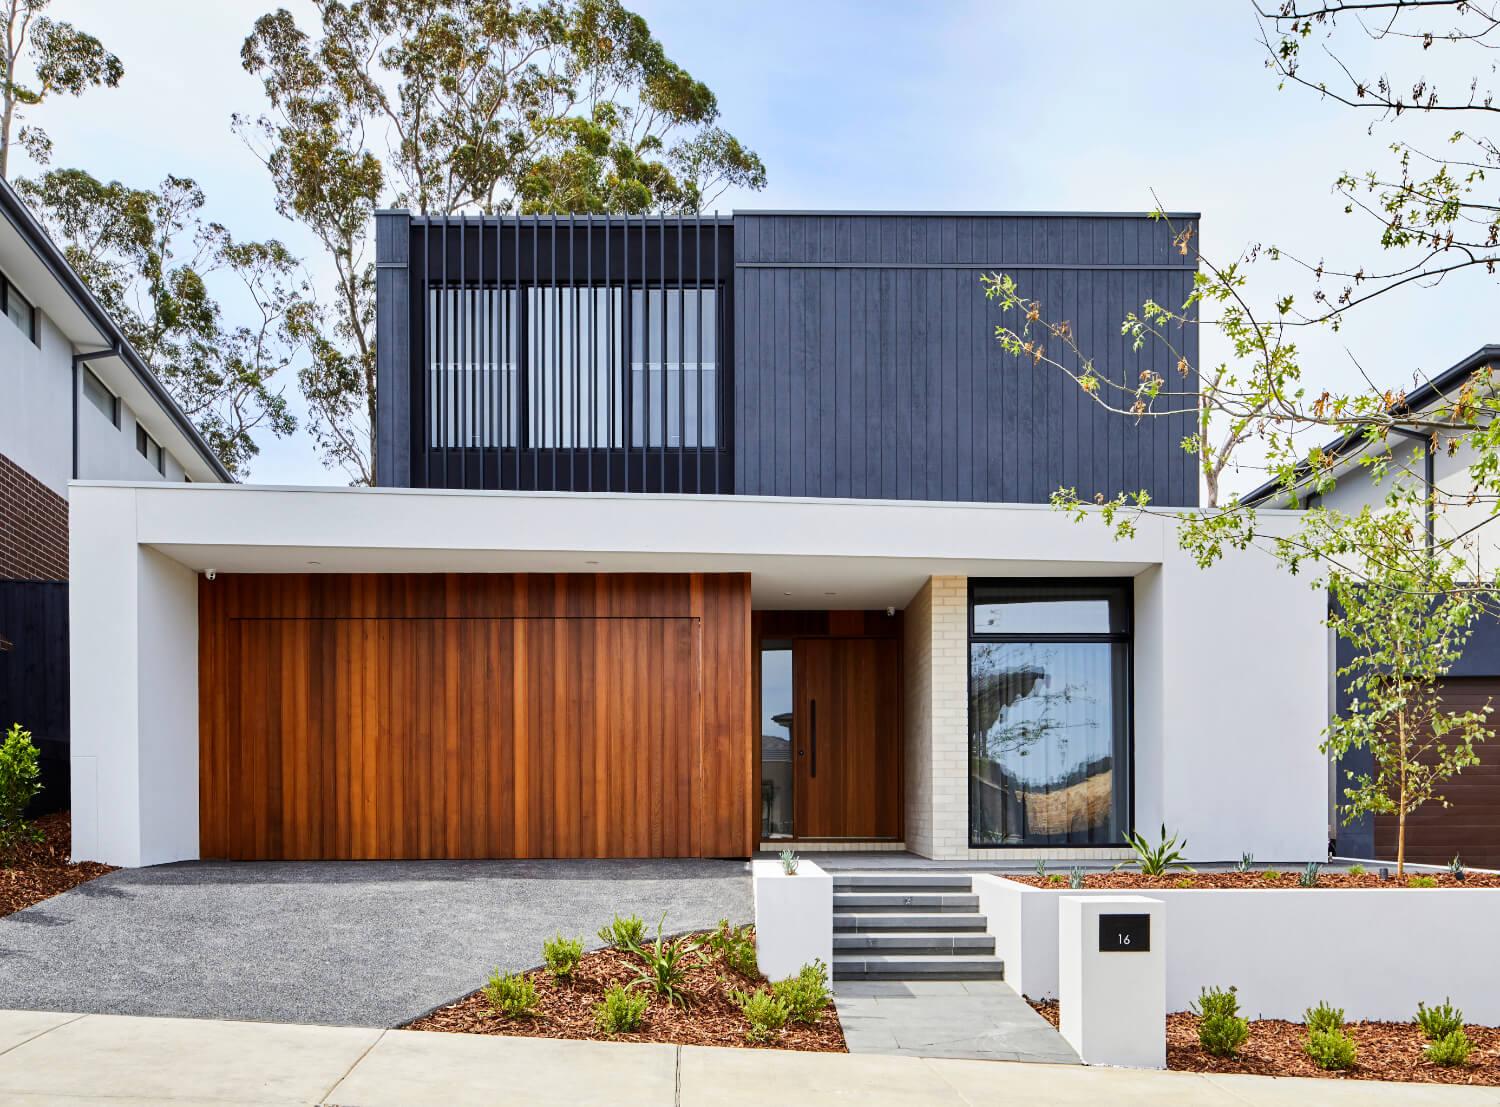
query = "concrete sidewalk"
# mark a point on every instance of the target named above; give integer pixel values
(48, 1058)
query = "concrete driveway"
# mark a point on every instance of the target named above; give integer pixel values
(371, 943)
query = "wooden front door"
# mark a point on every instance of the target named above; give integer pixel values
(847, 737)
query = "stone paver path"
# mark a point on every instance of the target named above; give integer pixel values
(983, 1020)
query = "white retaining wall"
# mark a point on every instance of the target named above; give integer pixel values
(1374, 952)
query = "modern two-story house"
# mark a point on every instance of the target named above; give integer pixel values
(693, 537)
(76, 402)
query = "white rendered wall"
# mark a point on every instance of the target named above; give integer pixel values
(1284, 949)
(793, 917)
(1229, 662)
(133, 617)
(36, 414)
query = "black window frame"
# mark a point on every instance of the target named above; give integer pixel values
(7, 289)
(1065, 588)
(113, 415)
(143, 442)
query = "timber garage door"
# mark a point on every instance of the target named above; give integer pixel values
(464, 736)
(1470, 825)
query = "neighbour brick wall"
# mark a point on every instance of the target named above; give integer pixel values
(937, 732)
(33, 527)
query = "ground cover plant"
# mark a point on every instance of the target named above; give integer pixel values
(38, 868)
(1394, 1051)
(691, 989)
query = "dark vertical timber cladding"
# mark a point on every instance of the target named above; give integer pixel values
(867, 363)
(393, 289)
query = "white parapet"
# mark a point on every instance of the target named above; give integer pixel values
(1112, 979)
(793, 917)
(1284, 949)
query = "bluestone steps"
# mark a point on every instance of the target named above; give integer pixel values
(910, 926)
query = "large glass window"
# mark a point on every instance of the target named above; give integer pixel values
(1049, 713)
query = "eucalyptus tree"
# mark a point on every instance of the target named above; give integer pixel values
(41, 57)
(151, 258)
(462, 105)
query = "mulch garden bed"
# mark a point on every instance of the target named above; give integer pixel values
(1387, 1051)
(35, 871)
(567, 1007)
(1255, 879)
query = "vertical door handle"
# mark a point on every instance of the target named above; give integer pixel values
(813, 727)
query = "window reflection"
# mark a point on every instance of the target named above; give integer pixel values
(1049, 755)
(776, 740)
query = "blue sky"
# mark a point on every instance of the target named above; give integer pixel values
(890, 105)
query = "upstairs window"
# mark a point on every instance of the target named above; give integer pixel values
(19, 310)
(563, 367)
(101, 397)
(150, 449)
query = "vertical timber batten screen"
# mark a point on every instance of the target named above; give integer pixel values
(562, 353)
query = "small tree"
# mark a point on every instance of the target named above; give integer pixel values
(20, 781)
(1407, 618)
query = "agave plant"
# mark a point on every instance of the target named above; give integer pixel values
(1245, 863)
(1155, 859)
(1308, 877)
(1456, 868)
(789, 862)
(1075, 877)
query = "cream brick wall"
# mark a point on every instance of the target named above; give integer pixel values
(917, 670)
(937, 732)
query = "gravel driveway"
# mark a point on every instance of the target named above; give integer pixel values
(370, 943)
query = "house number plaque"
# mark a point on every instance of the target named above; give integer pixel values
(1124, 933)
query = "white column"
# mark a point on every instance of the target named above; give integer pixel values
(1112, 979)
(133, 665)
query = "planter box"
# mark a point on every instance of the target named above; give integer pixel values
(1375, 952)
(793, 917)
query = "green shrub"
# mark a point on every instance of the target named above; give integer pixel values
(511, 994)
(736, 948)
(1308, 877)
(620, 1011)
(806, 995)
(765, 1013)
(1450, 1049)
(1270, 876)
(1221, 1030)
(1324, 1017)
(1154, 859)
(1440, 1021)
(1331, 1049)
(666, 966)
(1421, 882)
(562, 955)
(624, 933)
(20, 781)
(1356, 869)
(1057, 879)
(1184, 882)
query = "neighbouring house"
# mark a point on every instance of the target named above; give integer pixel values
(1470, 825)
(76, 402)
(696, 536)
